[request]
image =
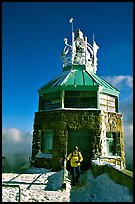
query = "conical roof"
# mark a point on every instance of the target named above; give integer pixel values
(78, 78)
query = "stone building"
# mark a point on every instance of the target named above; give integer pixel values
(77, 108)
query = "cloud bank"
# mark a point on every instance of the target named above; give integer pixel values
(16, 147)
(121, 82)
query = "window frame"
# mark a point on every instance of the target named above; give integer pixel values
(80, 99)
(44, 141)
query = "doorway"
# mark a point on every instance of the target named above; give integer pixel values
(82, 139)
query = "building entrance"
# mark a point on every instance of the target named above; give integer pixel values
(82, 139)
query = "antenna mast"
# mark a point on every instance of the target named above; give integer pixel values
(71, 21)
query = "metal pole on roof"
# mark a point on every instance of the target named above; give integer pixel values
(71, 21)
(93, 37)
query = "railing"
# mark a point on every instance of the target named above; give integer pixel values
(13, 186)
(64, 175)
(76, 60)
(117, 159)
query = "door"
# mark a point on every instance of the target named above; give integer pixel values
(82, 139)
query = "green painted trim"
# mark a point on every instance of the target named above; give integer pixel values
(78, 87)
(79, 67)
(51, 90)
(111, 92)
(69, 88)
(67, 68)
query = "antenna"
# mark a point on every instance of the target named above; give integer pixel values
(93, 37)
(71, 21)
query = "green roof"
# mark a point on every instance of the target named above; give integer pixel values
(78, 78)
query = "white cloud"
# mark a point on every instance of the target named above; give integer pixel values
(11, 135)
(120, 82)
(16, 146)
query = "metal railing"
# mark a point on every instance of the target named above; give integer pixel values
(13, 186)
(64, 175)
(117, 159)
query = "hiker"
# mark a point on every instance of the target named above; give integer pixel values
(75, 161)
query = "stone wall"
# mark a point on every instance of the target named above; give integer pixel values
(61, 121)
(112, 122)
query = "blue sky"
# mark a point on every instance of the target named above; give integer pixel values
(32, 42)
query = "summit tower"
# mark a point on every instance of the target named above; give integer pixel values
(78, 108)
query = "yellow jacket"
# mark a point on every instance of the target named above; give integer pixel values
(75, 157)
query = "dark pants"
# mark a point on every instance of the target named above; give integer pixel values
(75, 174)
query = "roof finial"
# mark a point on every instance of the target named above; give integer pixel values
(71, 21)
(93, 37)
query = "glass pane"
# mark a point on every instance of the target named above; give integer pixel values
(109, 134)
(110, 147)
(47, 96)
(56, 95)
(47, 105)
(88, 93)
(46, 141)
(111, 143)
(71, 102)
(72, 93)
(55, 101)
(55, 105)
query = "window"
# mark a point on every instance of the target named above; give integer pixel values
(46, 141)
(50, 101)
(113, 143)
(80, 99)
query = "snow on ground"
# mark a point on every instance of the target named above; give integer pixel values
(37, 185)
(42, 185)
(99, 189)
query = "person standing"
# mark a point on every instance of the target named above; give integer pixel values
(75, 158)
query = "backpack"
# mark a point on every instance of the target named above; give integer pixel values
(68, 165)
